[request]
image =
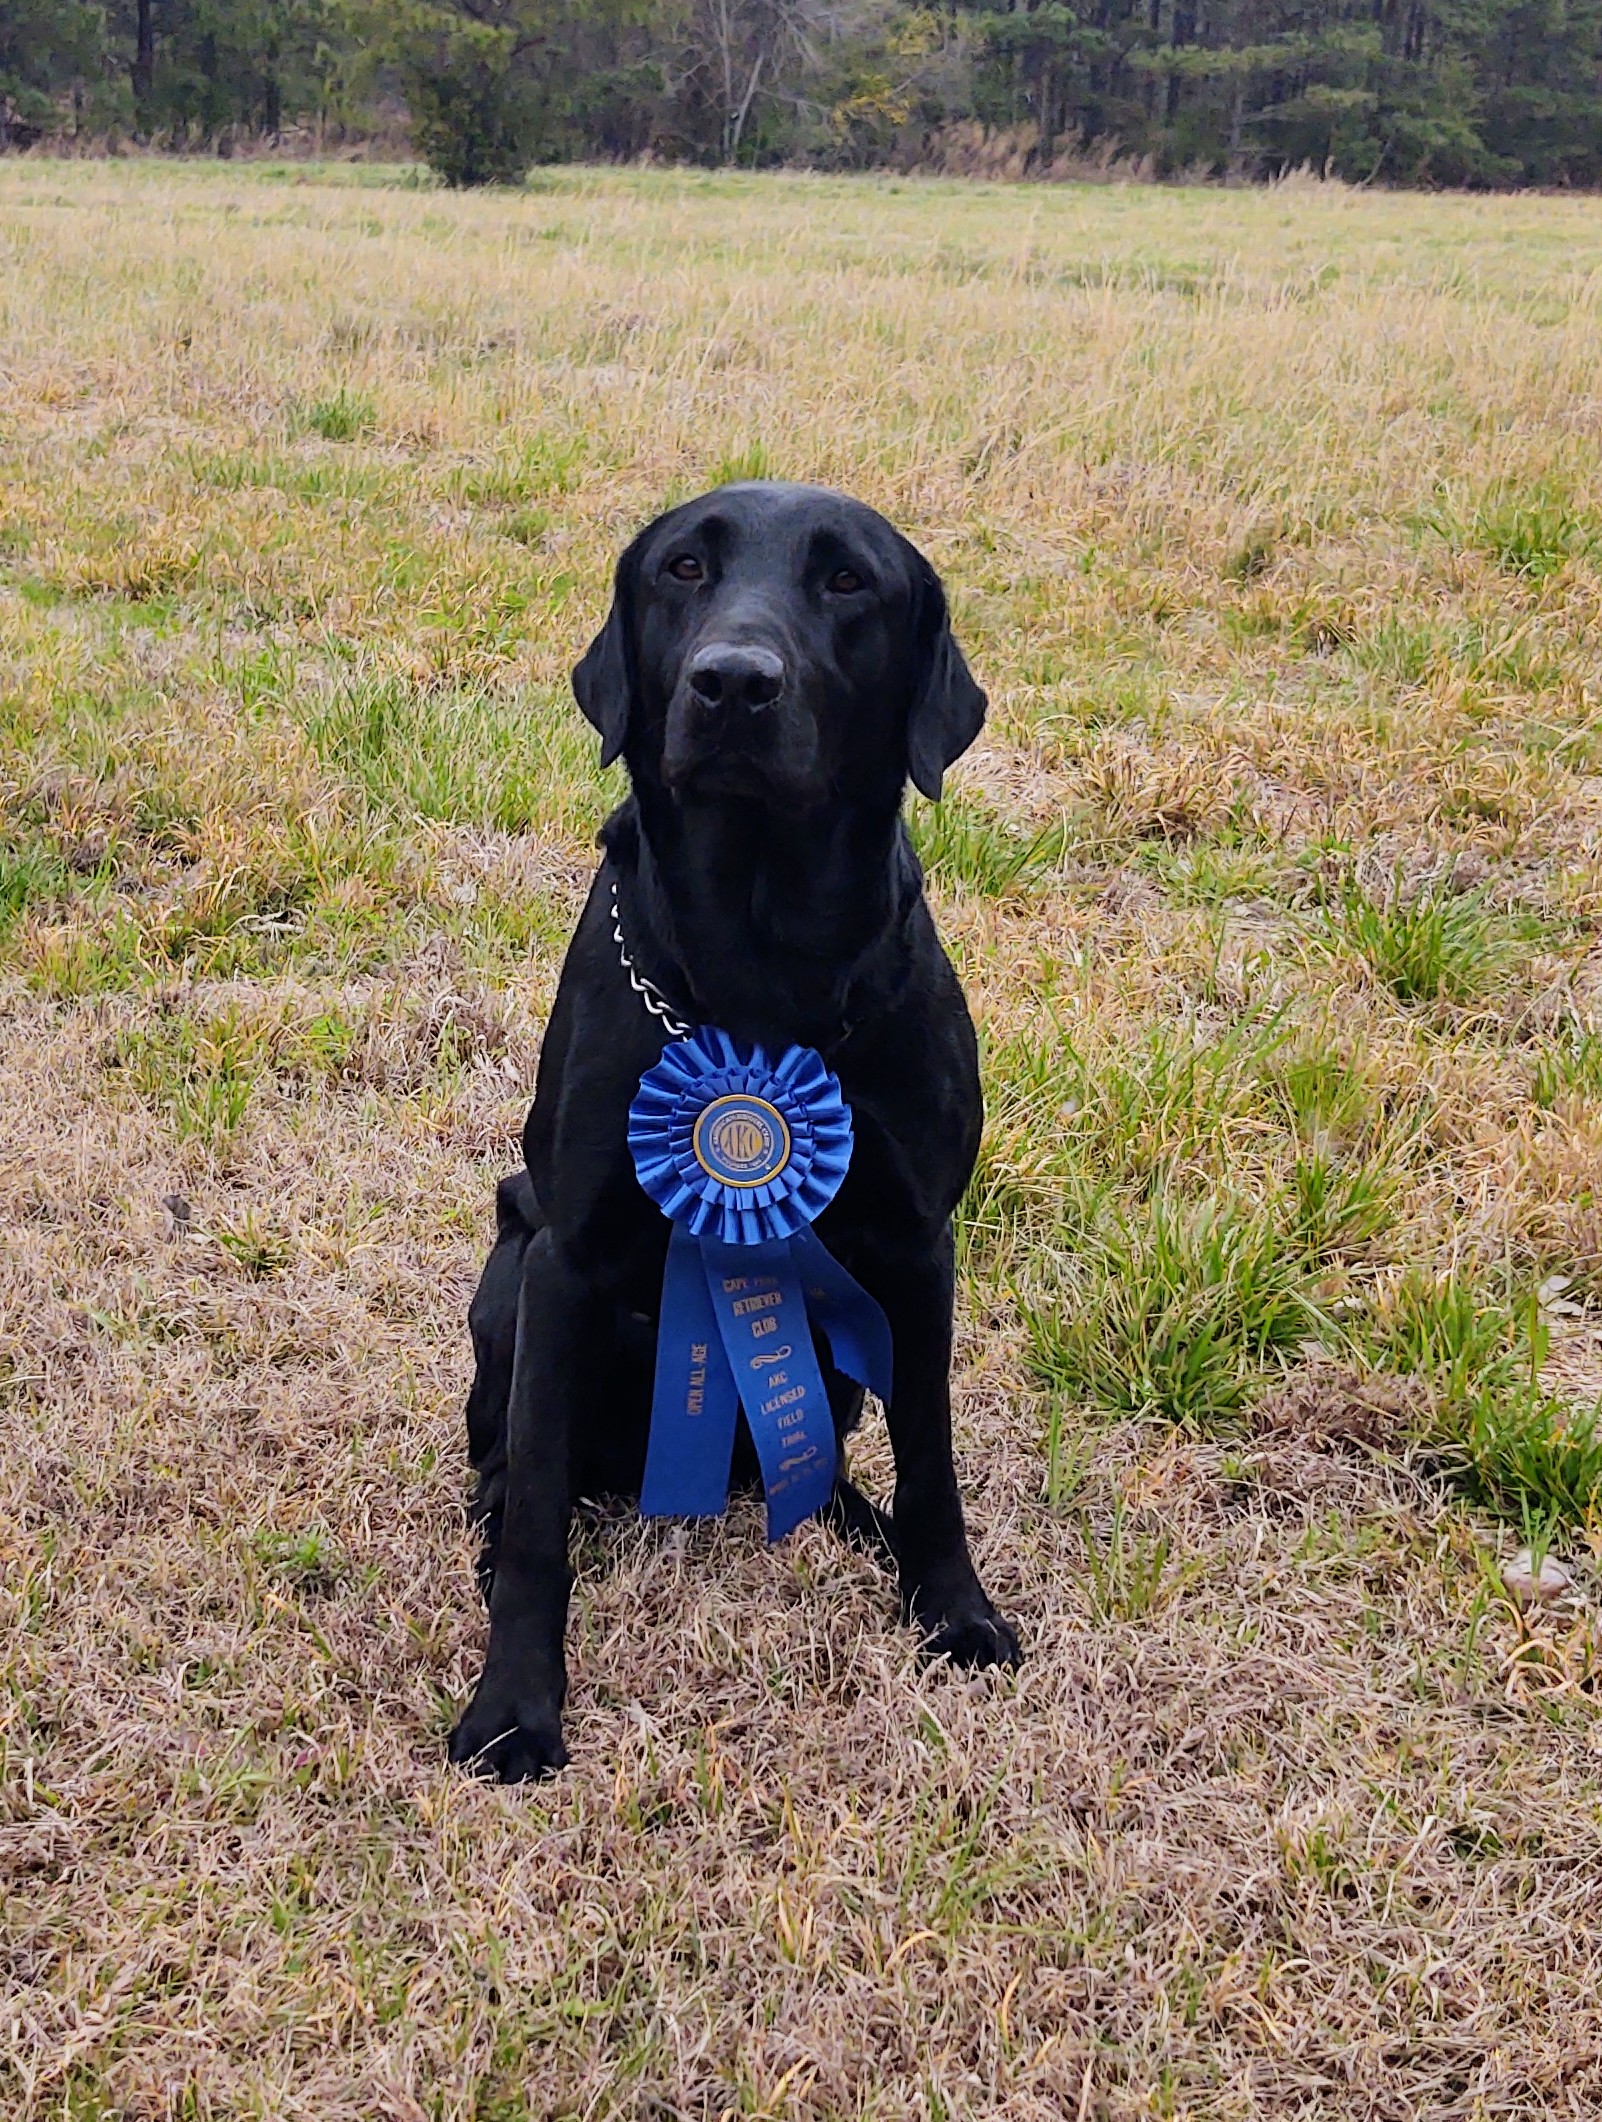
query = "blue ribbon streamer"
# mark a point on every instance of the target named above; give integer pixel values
(741, 1153)
(857, 1329)
(693, 1402)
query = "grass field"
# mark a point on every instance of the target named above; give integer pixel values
(1273, 522)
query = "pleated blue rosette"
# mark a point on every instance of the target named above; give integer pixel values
(789, 1113)
(742, 1153)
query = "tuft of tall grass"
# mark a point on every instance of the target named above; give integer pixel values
(472, 755)
(542, 466)
(1211, 873)
(1507, 1440)
(1078, 1119)
(202, 1072)
(1340, 1208)
(1174, 1311)
(751, 460)
(1427, 944)
(1531, 535)
(1321, 1091)
(343, 416)
(1127, 1575)
(27, 874)
(963, 841)
(1569, 1067)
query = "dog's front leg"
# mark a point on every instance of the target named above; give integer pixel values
(513, 1727)
(940, 1589)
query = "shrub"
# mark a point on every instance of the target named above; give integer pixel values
(473, 103)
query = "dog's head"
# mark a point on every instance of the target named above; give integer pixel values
(778, 645)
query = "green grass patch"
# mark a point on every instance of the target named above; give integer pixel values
(525, 526)
(309, 1561)
(201, 1073)
(71, 963)
(1339, 1209)
(1427, 943)
(962, 841)
(342, 417)
(1569, 1067)
(28, 875)
(1321, 1091)
(542, 466)
(1510, 1443)
(1174, 1310)
(1075, 1119)
(1530, 534)
(752, 460)
(256, 1247)
(1209, 873)
(1128, 1575)
(1181, 1311)
(463, 756)
(341, 478)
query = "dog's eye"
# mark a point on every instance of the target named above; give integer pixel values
(686, 568)
(845, 582)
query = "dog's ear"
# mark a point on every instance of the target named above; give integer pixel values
(948, 704)
(603, 678)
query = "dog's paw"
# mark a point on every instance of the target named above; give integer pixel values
(974, 1639)
(496, 1740)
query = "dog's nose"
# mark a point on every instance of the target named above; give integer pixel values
(724, 674)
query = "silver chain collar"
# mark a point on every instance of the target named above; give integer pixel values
(647, 990)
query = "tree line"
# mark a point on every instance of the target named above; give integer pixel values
(1491, 93)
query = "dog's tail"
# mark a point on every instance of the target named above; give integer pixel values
(863, 1523)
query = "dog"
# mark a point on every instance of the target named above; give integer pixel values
(777, 663)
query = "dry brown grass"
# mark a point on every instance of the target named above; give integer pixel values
(1274, 524)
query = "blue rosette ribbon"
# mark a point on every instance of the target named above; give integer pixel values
(742, 1154)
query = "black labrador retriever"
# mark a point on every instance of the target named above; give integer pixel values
(776, 663)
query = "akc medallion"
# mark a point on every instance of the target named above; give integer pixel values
(741, 1140)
